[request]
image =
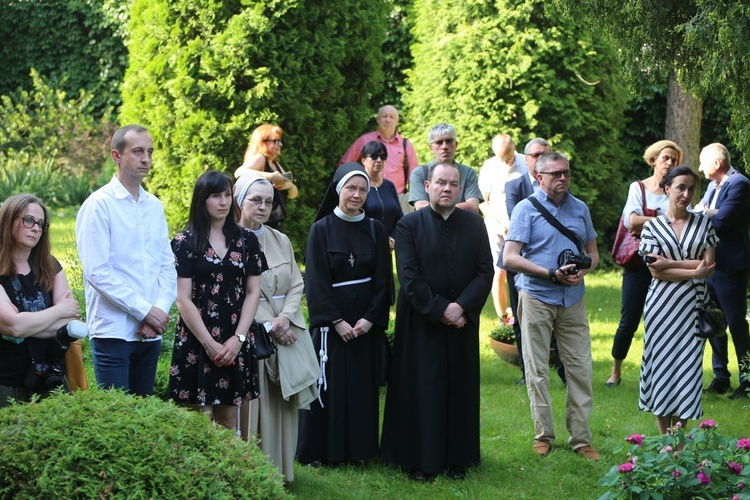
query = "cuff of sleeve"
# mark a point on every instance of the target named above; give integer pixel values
(141, 309)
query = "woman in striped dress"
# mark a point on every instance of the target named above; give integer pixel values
(682, 245)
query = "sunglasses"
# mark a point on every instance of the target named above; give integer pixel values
(29, 221)
(378, 156)
(534, 155)
(275, 141)
(558, 174)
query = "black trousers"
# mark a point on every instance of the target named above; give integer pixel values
(635, 283)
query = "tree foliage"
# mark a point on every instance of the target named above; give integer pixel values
(707, 42)
(204, 73)
(74, 45)
(519, 67)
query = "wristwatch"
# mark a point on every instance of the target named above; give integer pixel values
(241, 337)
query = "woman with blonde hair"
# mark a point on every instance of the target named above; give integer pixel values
(661, 156)
(262, 156)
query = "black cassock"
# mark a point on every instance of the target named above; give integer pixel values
(345, 429)
(431, 417)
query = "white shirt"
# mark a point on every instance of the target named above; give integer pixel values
(493, 176)
(128, 264)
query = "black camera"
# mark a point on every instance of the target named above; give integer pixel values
(44, 376)
(579, 261)
(46, 370)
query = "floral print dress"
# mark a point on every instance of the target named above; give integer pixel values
(218, 293)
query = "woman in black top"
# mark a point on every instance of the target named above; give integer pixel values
(262, 155)
(35, 302)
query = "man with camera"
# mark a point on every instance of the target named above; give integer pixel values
(552, 244)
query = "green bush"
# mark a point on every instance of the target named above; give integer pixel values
(203, 74)
(105, 444)
(520, 67)
(44, 123)
(75, 44)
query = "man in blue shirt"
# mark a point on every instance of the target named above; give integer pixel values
(551, 299)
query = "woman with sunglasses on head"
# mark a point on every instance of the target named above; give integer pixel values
(382, 201)
(218, 288)
(661, 156)
(36, 304)
(262, 155)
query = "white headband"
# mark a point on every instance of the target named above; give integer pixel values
(348, 176)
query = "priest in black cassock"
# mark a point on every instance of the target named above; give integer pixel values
(347, 283)
(431, 422)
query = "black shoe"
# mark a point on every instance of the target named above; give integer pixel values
(418, 476)
(718, 386)
(522, 381)
(741, 391)
(456, 472)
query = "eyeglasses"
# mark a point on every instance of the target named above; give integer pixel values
(260, 201)
(275, 141)
(534, 155)
(447, 142)
(378, 156)
(558, 173)
(29, 221)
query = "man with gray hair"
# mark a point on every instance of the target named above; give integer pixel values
(727, 203)
(443, 144)
(552, 254)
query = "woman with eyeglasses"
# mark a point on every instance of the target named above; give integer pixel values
(288, 379)
(36, 304)
(382, 201)
(218, 288)
(661, 156)
(262, 155)
(348, 281)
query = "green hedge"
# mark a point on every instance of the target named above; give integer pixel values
(105, 444)
(203, 74)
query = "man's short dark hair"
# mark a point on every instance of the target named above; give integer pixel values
(433, 167)
(118, 139)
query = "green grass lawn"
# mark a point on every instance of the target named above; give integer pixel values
(509, 468)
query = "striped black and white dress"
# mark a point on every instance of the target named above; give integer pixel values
(672, 366)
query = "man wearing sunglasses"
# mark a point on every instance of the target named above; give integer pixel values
(402, 158)
(129, 275)
(545, 243)
(443, 144)
(516, 190)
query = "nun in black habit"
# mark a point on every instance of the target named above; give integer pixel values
(347, 283)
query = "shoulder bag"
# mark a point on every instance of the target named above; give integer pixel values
(711, 322)
(262, 343)
(625, 248)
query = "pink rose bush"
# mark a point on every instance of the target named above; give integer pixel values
(681, 464)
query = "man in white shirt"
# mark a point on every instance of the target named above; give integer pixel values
(128, 269)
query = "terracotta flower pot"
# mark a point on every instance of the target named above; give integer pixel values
(506, 352)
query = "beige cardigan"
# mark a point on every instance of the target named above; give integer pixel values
(298, 368)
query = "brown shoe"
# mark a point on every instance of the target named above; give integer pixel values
(588, 452)
(543, 448)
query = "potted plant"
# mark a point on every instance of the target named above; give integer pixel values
(503, 340)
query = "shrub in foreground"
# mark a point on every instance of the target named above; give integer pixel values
(696, 464)
(105, 444)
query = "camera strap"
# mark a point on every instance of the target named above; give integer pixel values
(556, 223)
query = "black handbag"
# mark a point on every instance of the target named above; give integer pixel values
(711, 322)
(263, 345)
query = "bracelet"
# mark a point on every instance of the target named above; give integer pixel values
(337, 321)
(552, 273)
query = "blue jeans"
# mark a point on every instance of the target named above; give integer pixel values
(130, 366)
